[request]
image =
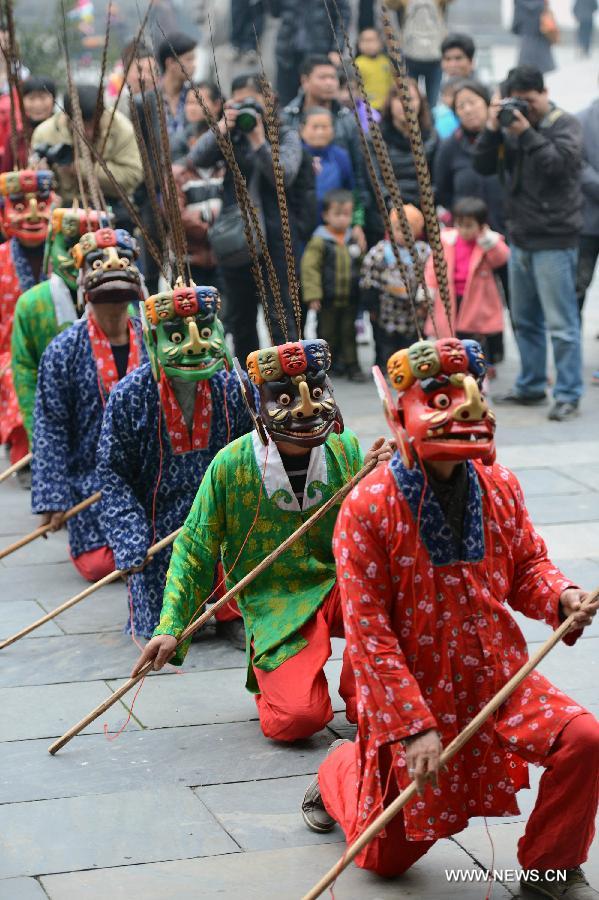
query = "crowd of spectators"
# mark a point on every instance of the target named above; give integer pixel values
(516, 182)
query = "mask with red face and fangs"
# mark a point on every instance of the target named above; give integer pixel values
(26, 198)
(446, 417)
(297, 405)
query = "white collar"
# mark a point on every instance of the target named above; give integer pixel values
(64, 307)
(276, 478)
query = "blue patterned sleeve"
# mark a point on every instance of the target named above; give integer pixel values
(123, 518)
(50, 486)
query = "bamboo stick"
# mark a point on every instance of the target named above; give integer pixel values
(201, 620)
(450, 751)
(16, 467)
(108, 579)
(44, 529)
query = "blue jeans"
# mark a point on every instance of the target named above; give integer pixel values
(543, 299)
(431, 71)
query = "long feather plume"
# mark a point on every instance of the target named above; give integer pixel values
(422, 171)
(12, 75)
(388, 177)
(100, 101)
(136, 42)
(273, 132)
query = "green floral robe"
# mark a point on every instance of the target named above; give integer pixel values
(40, 314)
(286, 595)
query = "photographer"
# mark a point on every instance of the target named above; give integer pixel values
(536, 148)
(53, 140)
(242, 118)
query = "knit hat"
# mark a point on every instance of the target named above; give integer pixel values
(41, 83)
(414, 217)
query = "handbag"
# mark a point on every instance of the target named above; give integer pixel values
(549, 27)
(227, 235)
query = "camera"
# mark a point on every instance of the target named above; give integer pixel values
(249, 110)
(55, 154)
(506, 116)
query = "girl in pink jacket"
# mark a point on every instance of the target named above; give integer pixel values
(472, 252)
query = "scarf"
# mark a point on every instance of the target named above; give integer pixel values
(181, 441)
(23, 267)
(102, 353)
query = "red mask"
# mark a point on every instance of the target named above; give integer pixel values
(446, 417)
(27, 201)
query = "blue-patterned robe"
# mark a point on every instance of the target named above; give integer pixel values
(129, 460)
(68, 418)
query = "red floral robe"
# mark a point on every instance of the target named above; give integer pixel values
(10, 290)
(431, 638)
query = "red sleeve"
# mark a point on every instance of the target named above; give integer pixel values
(537, 584)
(389, 699)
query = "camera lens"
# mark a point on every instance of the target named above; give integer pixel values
(246, 120)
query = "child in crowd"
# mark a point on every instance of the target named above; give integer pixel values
(444, 117)
(374, 67)
(472, 252)
(330, 271)
(385, 294)
(332, 163)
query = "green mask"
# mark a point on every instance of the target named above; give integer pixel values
(183, 334)
(66, 227)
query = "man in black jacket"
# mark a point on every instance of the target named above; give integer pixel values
(320, 87)
(540, 156)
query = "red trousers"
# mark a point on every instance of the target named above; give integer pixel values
(558, 833)
(294, 700)
(18, 443)
(94, 564)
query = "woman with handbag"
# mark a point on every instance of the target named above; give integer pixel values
(536, 26)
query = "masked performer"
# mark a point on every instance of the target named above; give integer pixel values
(162, 427)
(25, 202)
(49, 307)
(78, 370)
(430, 551)
(257, 491)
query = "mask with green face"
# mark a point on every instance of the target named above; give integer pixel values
(67, 225)
(183, 334)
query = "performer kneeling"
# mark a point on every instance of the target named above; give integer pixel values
(258, 491)
(78, 370)
(429, 551)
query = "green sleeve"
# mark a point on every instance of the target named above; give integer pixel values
(190, 577)
(24, 362)
(311, 270)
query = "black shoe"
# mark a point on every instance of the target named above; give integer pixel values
(575, 886)
(562, 410)
(356, 375)
(234, 632)
(24, 477)
(520, 399)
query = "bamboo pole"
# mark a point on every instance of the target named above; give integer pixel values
(450, 751)
(16, 467)
(108, 579)
(201, 620)
(44, 529)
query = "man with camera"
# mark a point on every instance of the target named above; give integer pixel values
(536, 148)
(243, 120)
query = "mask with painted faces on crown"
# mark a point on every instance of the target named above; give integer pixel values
(67, 226)
(26, 199)
(183, 334)
(446, 417)
(297, 405)
(106, 262)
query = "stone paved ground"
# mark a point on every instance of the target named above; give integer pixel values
(191, 801)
